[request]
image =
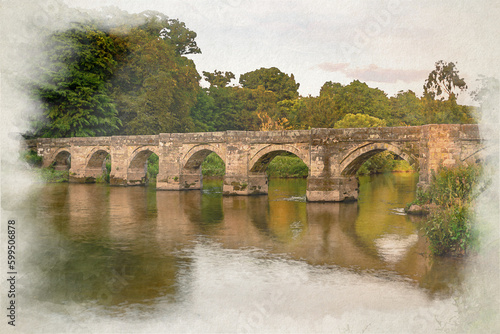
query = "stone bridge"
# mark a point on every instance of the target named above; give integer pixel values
(332, 155)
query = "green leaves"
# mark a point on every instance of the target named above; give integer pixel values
(74, 90)
(283, 85)
(449, 227)
(443, 81)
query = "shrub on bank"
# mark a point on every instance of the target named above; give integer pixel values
(449, 225)
(287, 166)
(51, 175)
(213, 166)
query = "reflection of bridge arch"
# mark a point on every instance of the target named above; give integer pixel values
(137, 166)
(261, 160)
(350, 164)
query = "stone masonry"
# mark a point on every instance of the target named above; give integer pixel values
(332, 155)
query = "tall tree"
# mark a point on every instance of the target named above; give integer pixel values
(444, 81)
(155, 87)
(356, 98)
(272, 79)
(171, 31)
(406, 109)
(73, 90)
(218, 78)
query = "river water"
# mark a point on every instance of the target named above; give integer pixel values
(112, 259)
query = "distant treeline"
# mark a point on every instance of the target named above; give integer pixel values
(135, 78)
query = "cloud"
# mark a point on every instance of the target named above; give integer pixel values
(374, 73)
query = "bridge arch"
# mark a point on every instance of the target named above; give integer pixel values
(190, 165)
(261, 160)
(193, 159)
(353, 160)
(61, 159)
(138, 164)
(96, 157)
(95, 163)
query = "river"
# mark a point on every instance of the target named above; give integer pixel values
(113, 259)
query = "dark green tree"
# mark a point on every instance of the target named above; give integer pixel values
(358, 98)
(406, 109)
(218, 78)
(155, 87)
(272, 79)
(73, 89)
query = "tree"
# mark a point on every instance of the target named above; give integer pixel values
(272, 79)
(406, 109)
(357, 98)
(218, 78)
(155, 87)
(171, 31)
(444, 80)
(73, 90)
(203, 112)
(360, 121)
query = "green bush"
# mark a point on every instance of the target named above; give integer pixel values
(449, 226)
(153, 166)
(32, 158)
(213, 166)
(383, 162)
(51, 175)
(287, 166)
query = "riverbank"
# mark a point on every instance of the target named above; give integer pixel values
(448, 206)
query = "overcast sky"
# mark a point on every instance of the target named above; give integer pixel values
(389, 44)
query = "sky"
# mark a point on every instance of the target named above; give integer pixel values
(389, 44)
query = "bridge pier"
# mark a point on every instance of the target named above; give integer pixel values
(332, 189)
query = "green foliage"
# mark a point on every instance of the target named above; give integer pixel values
(153, 166)
(360, 121)
(73, 89)
(444, 80)
(449, 227)
(287, 166)
(32, 158)
(358, 98)
(154, 87)
(383, 162)
(272, 79)
(213, 165)
(218, 78)
(407, 109)
(51, 175)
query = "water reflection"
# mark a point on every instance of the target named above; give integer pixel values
(118, 245)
